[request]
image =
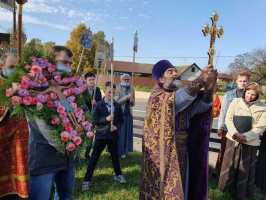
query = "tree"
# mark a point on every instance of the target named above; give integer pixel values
(254, 61)
(73, 43)
(35, 47)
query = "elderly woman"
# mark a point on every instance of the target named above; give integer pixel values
(246, 122)
(125, 96)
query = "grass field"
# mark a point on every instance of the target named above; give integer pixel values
(104, 188)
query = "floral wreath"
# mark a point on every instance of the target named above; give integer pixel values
(54, 97)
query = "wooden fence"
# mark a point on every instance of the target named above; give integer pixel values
(214, 145)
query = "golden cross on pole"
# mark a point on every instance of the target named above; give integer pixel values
(214, 32)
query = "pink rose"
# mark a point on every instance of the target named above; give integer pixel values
(70, 147)
(16, 100)
(27, 100)
(68, 127)
(25, 83)
(55, 121)
(35, 69)
(77, 140)
(60, 109)
(65, 136)
(9, 92)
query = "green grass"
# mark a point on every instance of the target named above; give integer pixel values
(104, 187)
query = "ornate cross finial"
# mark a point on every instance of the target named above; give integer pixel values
(213, 31)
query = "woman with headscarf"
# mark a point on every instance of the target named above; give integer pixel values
(125, 96)
(246, 122)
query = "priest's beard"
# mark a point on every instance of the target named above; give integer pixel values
(172, 84)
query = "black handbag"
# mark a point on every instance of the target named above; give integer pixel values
(242, 123)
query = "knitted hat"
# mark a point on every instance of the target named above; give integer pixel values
(160, 67)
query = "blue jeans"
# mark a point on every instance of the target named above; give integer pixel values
(40, 186)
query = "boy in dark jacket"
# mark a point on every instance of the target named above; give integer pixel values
(91, 97)
(104, 114)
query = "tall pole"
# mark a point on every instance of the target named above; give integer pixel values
(214, 32)
(135, 50)
(14, 23)
(19, 37)
(112, 79)
(19, 31)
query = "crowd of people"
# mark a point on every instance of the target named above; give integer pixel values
(175, 137)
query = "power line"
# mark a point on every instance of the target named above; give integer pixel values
(174, 57)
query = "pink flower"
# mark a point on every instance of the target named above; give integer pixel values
(68, 127)
(34, 101)
(65, 120)
(63, 115)
(65, 136)
(60, 109)
(16, 100)
(25, 83)
(27, 100)
(9, 92)
(77, 140)
(51, 68)
(70, 147)
(35, 69)
(57, 78)
(55, 121)
(90, 135)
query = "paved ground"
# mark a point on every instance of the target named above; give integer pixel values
(139, 110)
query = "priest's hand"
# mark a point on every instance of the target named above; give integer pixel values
(211, 80)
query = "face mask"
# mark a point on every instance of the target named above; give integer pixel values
(62, 68)
(8, 71)
(125, 84)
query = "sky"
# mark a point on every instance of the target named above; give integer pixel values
(168, 29)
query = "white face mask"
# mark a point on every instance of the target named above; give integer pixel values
(63, 68)
(125, 84)
(8, 71)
